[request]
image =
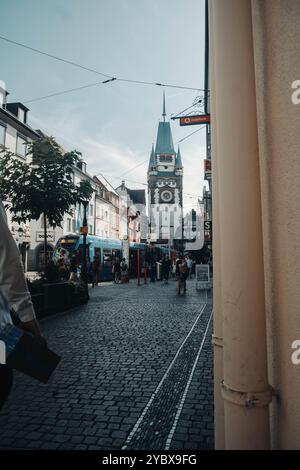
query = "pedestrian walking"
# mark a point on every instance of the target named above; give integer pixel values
(124, 271)
(173, 271)
(152, 269)
(14, 295)
(74, 266)
(89, 274)
(117, 271)
(189, 262)
(194, 268)
(181, 274)
(165, 269)
(177, 274)
(64, 273)
(145, 270)
(95, 270)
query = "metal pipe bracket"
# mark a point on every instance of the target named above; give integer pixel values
(247, 399)
(217, 341)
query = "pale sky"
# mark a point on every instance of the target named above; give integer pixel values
(113, 125)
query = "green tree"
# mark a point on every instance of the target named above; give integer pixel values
(43, 187)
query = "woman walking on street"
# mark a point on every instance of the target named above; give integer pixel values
(181, 274)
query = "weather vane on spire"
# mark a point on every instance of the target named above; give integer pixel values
(164, 107)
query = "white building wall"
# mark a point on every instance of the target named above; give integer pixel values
(20, 232)
(70, 224)
(102, 218)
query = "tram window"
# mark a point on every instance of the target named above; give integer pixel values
(107, 258)
(116, 254)
(67, 243)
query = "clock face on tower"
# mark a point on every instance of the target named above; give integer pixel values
(166, 195)
(171, 183)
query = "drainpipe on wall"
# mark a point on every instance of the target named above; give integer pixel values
(217, 338)
(245, 388)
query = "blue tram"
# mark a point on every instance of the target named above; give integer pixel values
(108, 250)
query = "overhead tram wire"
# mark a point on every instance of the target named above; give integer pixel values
(110, 78)
(109, 184)
(136, 166)
(89, 69)
(192, 195)
(186, 109)
(189, 135)
(158, 84)
(70, 62)
(145, 161)
(51, 95)
(66, 91)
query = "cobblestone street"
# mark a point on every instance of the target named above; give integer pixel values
(136, 373)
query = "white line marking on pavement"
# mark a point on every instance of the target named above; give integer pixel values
(137, 424)
(182, 401)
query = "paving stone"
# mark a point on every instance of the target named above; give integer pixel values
(115, 350)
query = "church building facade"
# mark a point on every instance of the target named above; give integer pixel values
(165, 184)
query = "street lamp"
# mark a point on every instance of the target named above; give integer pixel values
(84, 231)
(182, 236)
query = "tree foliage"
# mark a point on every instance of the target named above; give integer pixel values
(45, 185)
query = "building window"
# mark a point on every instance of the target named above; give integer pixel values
(21, 146)
(91, 209)
(90, 229)
(2, 97)
(2, 134)
(69, 225)
(166, 158)
(21, 115)
(73, 226)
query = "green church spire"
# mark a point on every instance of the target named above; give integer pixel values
(164, 141)
(152, 161)
(164, 107)
(178, 159)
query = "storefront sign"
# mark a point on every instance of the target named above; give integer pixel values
(40, 236)
(193, 120)
(207, 169)
(202, 277)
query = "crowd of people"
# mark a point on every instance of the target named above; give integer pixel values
(69, 267)
(179, 269)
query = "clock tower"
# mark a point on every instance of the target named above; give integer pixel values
(165, 173)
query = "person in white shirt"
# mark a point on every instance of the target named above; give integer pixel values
(14, 295)
(189, 262)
